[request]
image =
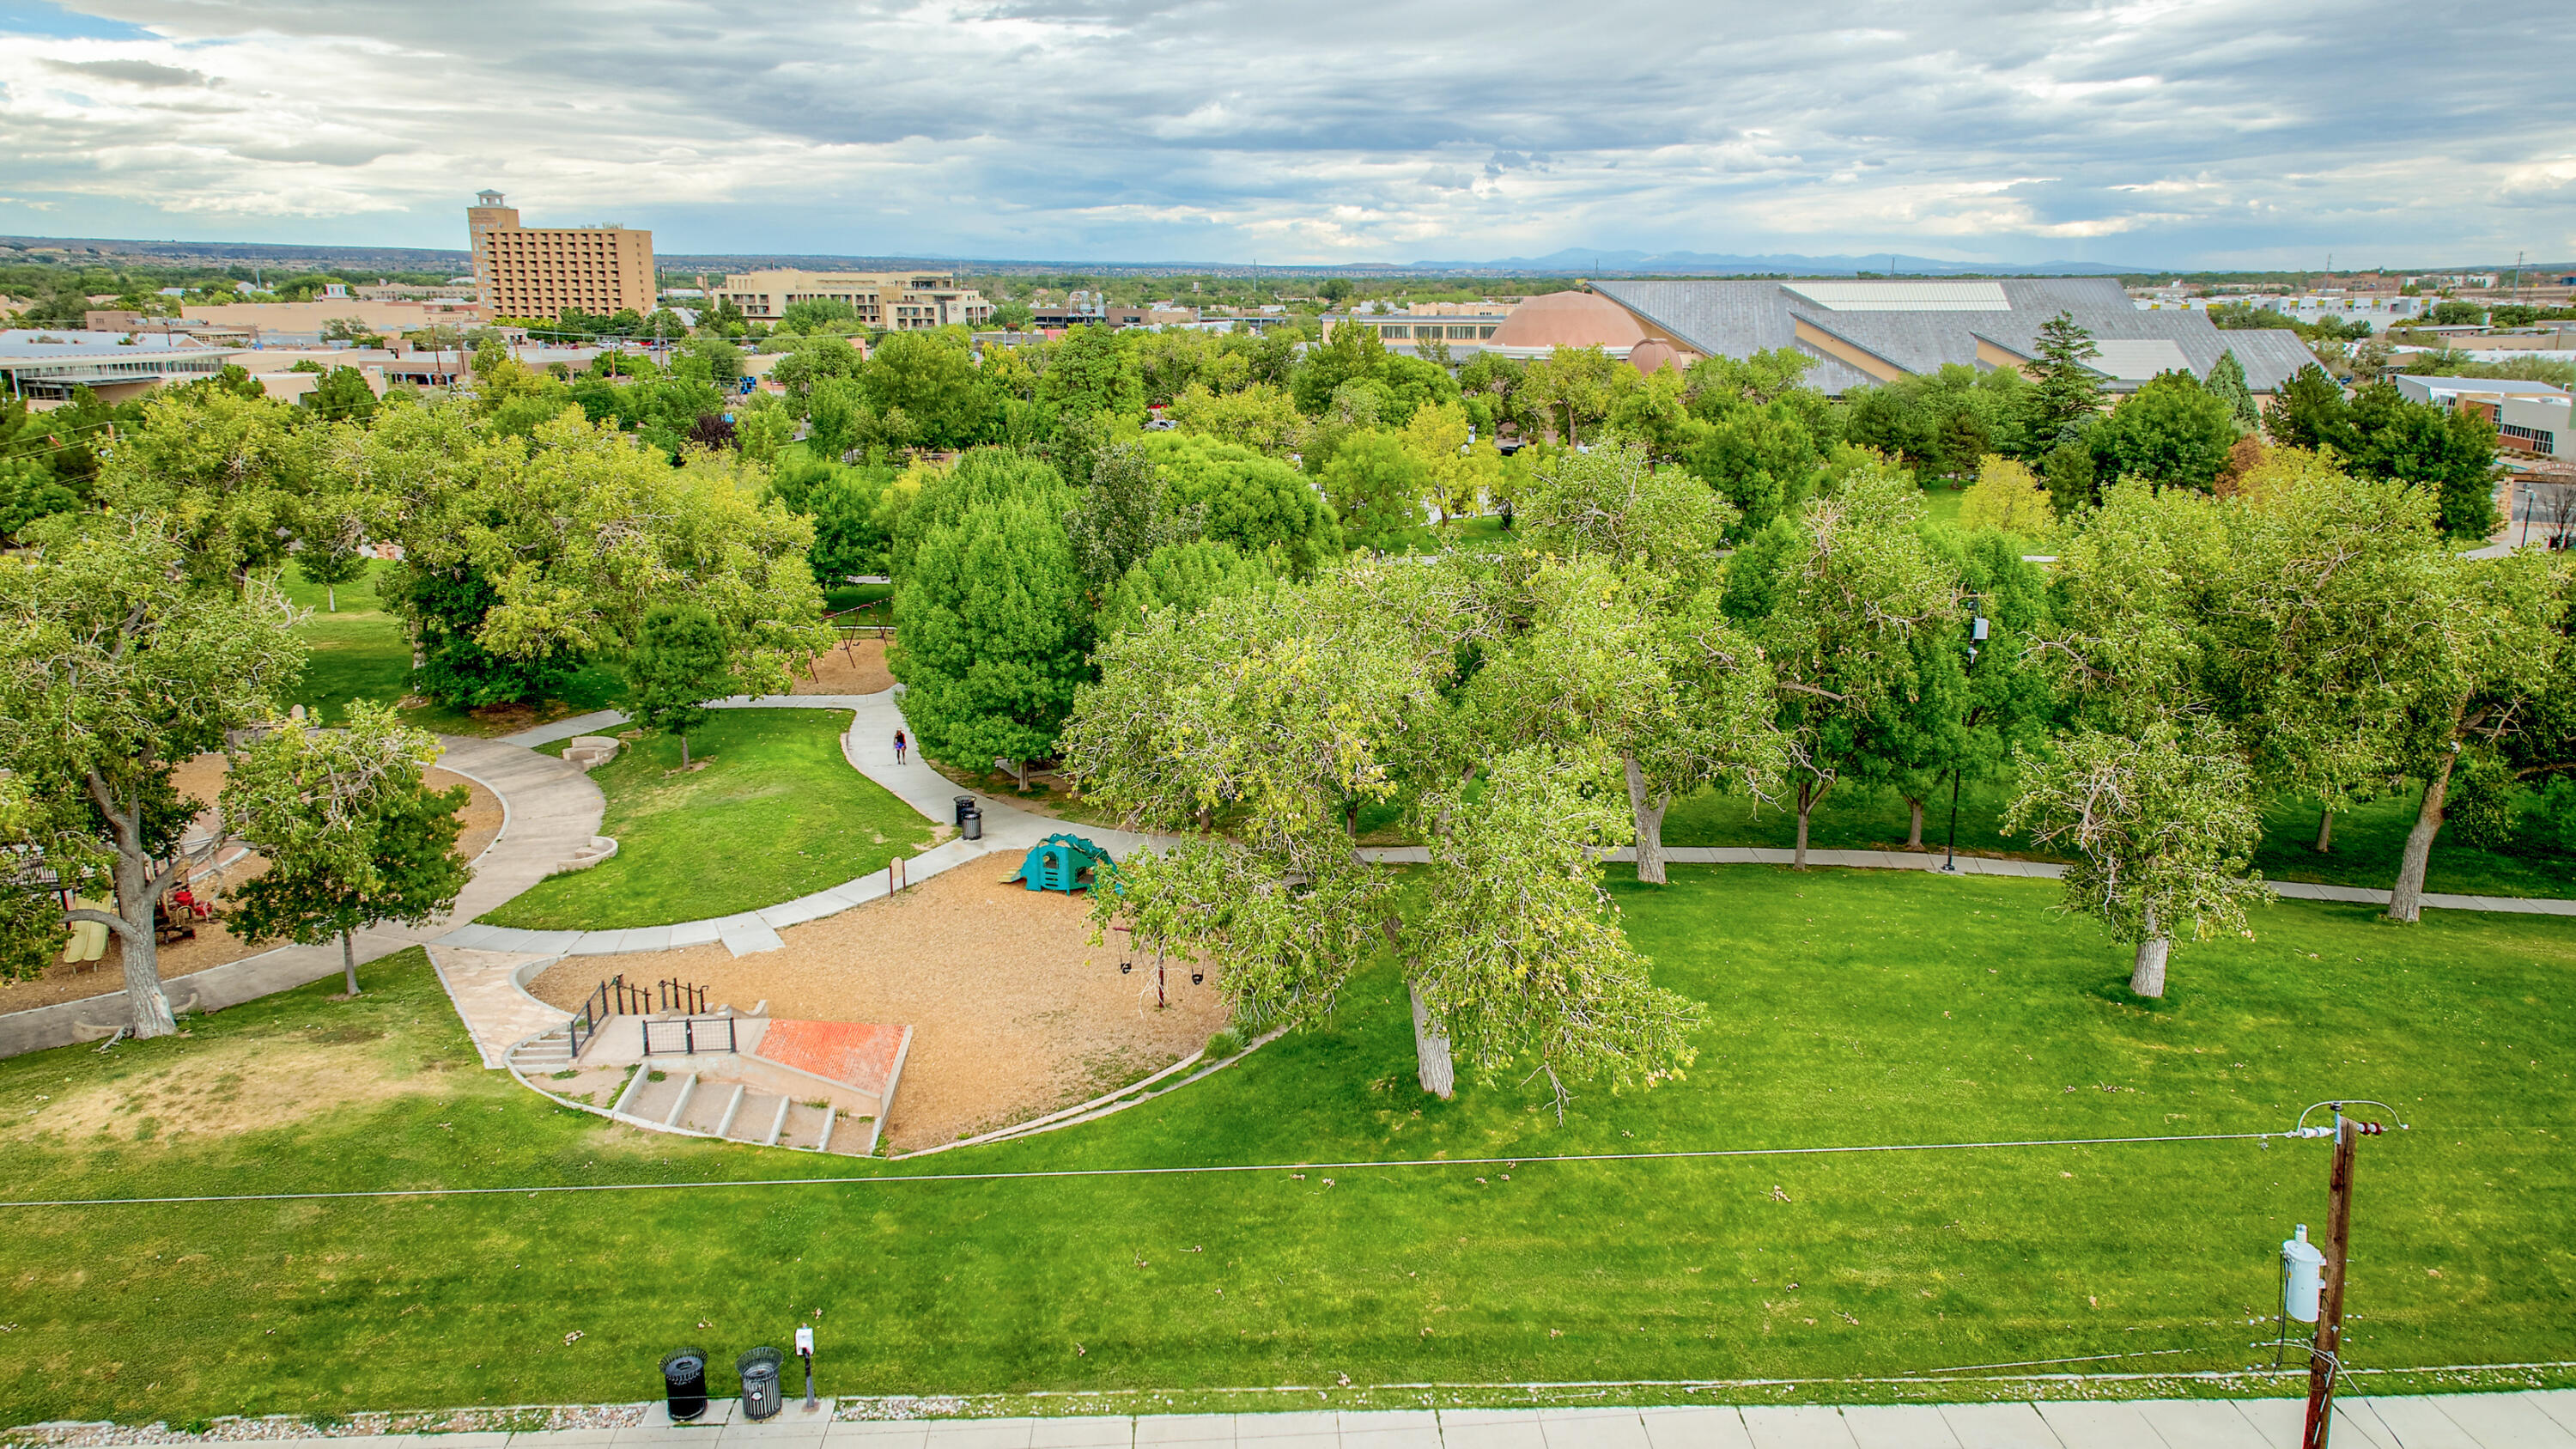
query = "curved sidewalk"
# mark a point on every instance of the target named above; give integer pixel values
(868, 744)
(549, 809)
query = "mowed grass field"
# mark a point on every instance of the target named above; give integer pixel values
(1844, 1009)
(775, 813)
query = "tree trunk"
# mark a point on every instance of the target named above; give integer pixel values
(141, 947)
(349, 963)
(1431, 1052)
(684, 749)
(2325, 832)
(332, 593)
(1914, 823)
(1810, 795)
(2406, 900)
(1650, 822)
(2149, 977)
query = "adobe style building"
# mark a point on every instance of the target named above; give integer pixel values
(541, 271)
(895, 301)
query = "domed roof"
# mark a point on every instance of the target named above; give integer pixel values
(1651, 357)
(1569, 319)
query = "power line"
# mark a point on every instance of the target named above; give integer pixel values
(1573, 1159)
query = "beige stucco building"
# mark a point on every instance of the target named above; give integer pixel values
(540, 271)
(895, 301)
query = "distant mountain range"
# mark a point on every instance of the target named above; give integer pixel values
(1580, 262)
(1570, 261)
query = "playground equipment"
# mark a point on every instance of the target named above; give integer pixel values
(1066, 863)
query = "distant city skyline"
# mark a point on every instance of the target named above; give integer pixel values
(2167, 134)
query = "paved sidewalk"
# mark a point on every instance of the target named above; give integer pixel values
(2531, 1420)
(869, 747)
(549, 809)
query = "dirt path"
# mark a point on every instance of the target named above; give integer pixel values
(203, 778)
(1013, 1013)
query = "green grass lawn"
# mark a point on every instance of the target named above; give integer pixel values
(2366, 845)
(776, 814)
(1941, 502)
(1844, 1008)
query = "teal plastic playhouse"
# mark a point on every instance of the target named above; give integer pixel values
(1066, 863)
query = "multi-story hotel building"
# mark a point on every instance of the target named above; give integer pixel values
(540, 271)
(895, 301)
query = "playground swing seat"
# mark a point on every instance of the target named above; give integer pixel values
(1066, 863)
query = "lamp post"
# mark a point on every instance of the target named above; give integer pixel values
(1976, 638)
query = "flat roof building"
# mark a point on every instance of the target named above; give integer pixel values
(895, 301)
(534, 271)
(44, 367)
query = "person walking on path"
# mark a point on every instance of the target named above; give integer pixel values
(898, 747)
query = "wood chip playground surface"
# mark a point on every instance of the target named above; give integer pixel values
(1014, 1012)
(203, 779)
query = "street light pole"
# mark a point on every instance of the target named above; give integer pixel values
(1976, 638)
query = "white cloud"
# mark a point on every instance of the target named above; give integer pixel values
(2159, 131)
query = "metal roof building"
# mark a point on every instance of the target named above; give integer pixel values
(1866, 332)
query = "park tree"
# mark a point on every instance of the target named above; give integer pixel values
(2228, 384)
(931, 378)
(1125, 514)
(2007, 497)
(2069, 389)
(2447, 452)
(115, 668)
(2162, 821)
(333, 554)
(1256, 503)
(354, 837)
(524, 556)
(1377, 488)
(1260, 417)
(991, 626)
(341, 396)
(1837, 601)
(1089, 373)
(1613, 502)
(1570, 389)
(1464, 470)
(1288, 711)
(1521, 958)
(1352, 354)
(1183, 576)
(809, 360)
(228, 472)
(2309, 412)
(678, 662)
(2171, 431)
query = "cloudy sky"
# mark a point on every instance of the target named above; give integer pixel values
(2154, 133)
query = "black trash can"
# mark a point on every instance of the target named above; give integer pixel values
(684, 1383)
(759, 1370)
(974, 824)
(965, 807)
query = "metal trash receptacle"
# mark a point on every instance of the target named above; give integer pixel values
(973, 824)
(759, 1370)
(965, 807)
(684, 1383)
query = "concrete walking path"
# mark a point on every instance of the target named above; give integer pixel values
(868, 745)
(2528, 1420)
(1995, 865)
(549, 809)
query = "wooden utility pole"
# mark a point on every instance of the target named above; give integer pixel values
(2326, 1364)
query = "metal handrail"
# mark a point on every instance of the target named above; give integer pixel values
(689, 1042)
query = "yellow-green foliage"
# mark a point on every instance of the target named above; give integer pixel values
(2006, 496)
